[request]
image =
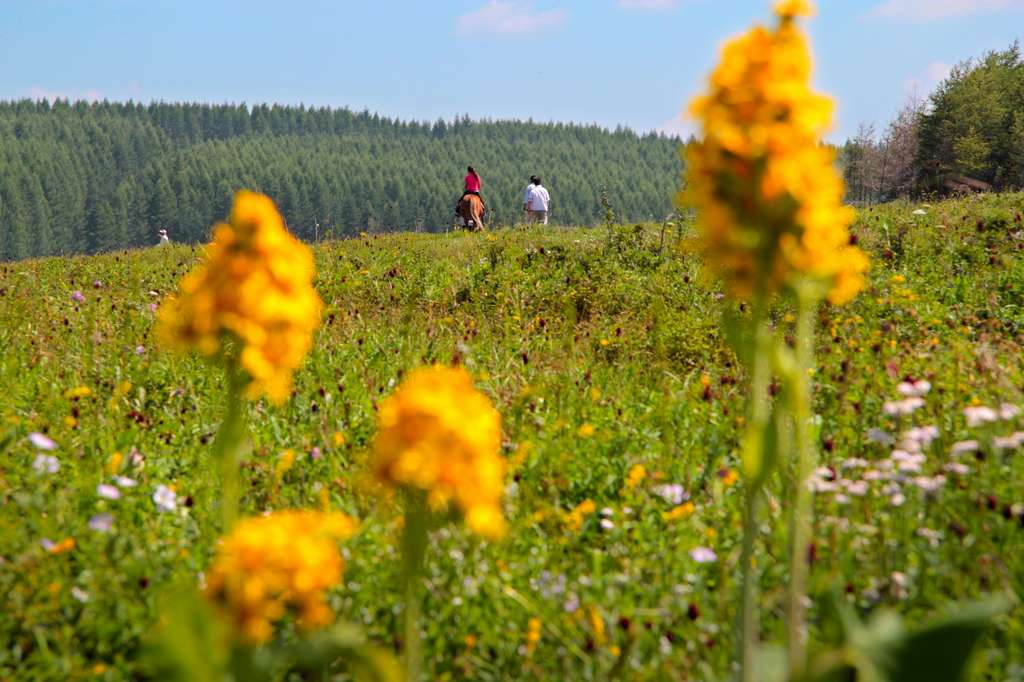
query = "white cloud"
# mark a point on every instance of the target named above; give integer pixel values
(38, 93)
(509, 17)
(928, 10)
(921, 85)
(655, 5)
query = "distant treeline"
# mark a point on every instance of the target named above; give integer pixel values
(968, 134)
(83, 178)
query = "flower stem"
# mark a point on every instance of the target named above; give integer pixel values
(802, 511)
(749, 613)
(755, 466)
(414, 545)
(227, 447)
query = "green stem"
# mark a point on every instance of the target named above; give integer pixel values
(755, 467)
(749, 614)
(802, 511)
(227, 448)
(414, 546)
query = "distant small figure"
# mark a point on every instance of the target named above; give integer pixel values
(164, 239)
(536, 202)
(472, 186)
(471, 206)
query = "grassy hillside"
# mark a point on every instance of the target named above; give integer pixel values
(602, 350)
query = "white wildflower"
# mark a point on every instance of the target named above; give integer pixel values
(976, 416)
(703, 555)
(964, 447)
(46, 464)
(673, 493)
(912, 389)
(166, 500)
(108, 492)
(1008, 411)
(41, 441)
(880, 436)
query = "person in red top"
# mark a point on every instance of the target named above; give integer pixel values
(472, 186)
(472, 182)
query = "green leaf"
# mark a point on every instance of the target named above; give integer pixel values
(883, 649)
(346, 643)
(941, 651)
(192, 643)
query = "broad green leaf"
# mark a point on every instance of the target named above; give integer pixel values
(191, 644)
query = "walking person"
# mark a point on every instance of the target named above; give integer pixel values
(536, 202)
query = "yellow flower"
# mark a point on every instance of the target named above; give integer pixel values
(574, 519)
(284, 464)
(114, 463)
(729, 477)
(253, 287)
(533, 630)
(681, 512)
(794, 8)
(585, 431)
(596, 624)
(338, 439)
(273, 565)
(439, 435)
(78, 392)
(770, 197)
(65, 545)
(637, 473)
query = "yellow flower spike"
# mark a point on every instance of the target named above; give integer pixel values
(277, 564)
(439, 435)
(770, 199)
(253, 286)
(794, 8)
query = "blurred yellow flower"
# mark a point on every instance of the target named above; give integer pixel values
(681, 512)
(439, 435)
(767, 188)
(596, 624)
(574, 519)
(277, 564)
(533, 630)
(637, 473)
(65, 545)
(78, 392)
(254, 286)
(585, 430)
(114, 463)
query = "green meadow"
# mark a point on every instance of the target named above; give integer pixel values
(622, 405)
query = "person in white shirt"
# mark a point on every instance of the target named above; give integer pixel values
(536, 202)
(164, 239)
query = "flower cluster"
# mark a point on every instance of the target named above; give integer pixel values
(439, 435)
(270, 565)
(769, 194)
(254, 286)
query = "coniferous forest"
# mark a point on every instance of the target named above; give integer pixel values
(85, 178)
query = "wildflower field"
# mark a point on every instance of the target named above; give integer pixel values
(621, 410)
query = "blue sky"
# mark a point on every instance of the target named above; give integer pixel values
(630, 62)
